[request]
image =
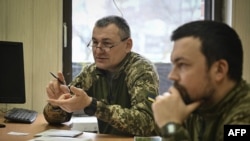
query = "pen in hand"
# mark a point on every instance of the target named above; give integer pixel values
(60, 81)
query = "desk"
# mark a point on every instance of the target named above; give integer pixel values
(40, 125)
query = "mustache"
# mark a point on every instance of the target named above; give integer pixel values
(183, 92)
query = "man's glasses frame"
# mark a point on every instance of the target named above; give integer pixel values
(104, 45)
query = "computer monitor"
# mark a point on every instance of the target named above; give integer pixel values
(12, 81)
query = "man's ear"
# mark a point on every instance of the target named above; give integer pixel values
(129, 45)
(220, 69)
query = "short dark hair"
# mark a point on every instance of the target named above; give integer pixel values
(218, 41)
(120, 22)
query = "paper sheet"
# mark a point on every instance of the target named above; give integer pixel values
(59, 133)
(58, 139)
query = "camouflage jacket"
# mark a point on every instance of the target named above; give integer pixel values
(207, 123)
(123, 107)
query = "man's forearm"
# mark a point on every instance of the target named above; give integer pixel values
(135, 122)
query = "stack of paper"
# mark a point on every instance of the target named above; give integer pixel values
(59, 134)
(58, 139)
(86, 124)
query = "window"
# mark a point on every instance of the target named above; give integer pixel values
(151, 22)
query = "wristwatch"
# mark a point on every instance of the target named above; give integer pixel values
(170, 129)
(91, 109)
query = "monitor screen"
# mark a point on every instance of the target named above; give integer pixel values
(12, 81)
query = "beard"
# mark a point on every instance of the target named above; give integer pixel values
(207, 94)
(183, 92)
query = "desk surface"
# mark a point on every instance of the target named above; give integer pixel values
(40, 125)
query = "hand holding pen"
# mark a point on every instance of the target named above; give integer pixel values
(58, 79)
(57, 87)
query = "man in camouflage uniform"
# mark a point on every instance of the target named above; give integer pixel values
(208, 90)
(115, 88)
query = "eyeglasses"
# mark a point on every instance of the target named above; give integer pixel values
(105, 46)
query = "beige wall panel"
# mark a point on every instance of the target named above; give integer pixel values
(3, 21)
(47, 50)
(17, 26)
(241, 23)
(38, 24)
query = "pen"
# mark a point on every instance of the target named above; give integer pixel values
(60, 81)
(151, 97)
